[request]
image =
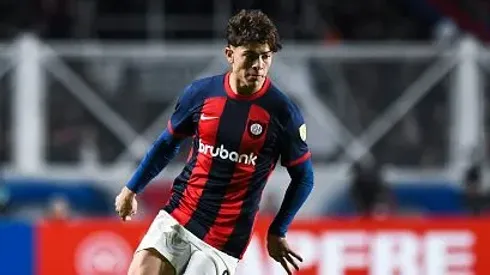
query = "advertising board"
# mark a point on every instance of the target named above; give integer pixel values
(329, 247)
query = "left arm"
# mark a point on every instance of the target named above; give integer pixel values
(296, 194)
(296, 156)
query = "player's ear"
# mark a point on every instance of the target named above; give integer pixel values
(229, 54)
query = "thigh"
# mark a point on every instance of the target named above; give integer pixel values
(208, 262)
(201, 264)
(150, 262)
(167, 241)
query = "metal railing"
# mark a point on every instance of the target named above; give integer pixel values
(101, 105)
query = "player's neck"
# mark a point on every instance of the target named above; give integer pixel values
(241, 88)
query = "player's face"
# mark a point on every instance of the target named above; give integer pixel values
(250, 63)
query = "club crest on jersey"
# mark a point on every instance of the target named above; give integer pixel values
(255, 128)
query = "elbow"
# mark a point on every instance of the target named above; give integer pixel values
(303, 173)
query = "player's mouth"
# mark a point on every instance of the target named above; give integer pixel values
(255, 76)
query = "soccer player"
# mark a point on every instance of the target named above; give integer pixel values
(241, 125)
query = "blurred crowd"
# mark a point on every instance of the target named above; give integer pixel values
(372, 196)
(313, 19)
(111, 19)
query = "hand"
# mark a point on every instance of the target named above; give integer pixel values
(126, 204)
(279, 251)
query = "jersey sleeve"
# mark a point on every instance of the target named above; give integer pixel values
(294, 149)
(181, 123)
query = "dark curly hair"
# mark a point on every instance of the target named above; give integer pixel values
(252, 26)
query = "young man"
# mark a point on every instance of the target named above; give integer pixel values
(241, 125)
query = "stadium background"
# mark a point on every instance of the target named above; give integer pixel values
(394, 94)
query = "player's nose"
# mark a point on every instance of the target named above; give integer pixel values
(259, 64)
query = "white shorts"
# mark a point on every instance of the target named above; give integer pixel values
(177, 245)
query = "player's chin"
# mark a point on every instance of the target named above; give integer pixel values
(254, 79)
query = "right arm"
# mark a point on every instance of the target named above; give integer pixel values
(156, 159)
(167, 145)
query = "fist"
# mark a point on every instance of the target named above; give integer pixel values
(126, 204)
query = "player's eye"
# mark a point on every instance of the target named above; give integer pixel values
(266, 56)
(251, 56)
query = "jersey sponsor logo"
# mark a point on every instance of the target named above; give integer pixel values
(223, 153)
(302, 132)
(205, 117)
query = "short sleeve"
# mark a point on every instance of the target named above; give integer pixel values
(181, 122)
(294, 149)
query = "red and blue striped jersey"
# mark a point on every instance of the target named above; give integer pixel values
(237, 141)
